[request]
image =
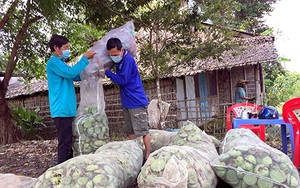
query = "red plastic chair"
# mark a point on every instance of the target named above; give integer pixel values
(291, 114)
(237, 110)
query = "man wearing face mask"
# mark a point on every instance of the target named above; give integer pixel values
(61, 92)
(133, 97)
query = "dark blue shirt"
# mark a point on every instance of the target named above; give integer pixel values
(128, 78)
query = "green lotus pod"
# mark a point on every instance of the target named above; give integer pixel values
(249, 179)
(87, 124)
(284, 167)
(294, 182)
(266, 161)
(261, 170)
(247, 166)
(89, 184)
(94, 110)
(97, 130)
(278, 175)
(91, 167)
(108, 169)
(91, 119)
(189, 126)
(183, 135)
(239, 160)
(86, 109)
(231, 177)
(99, 178)
(251, 159)
(90, 130)
(264, 183)
(235, 153)
(158, 165)
(240, 172)
(224, 157)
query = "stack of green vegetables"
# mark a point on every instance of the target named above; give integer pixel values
(191, 135)
(246, 161)
(159, 138)
(177, 166)
(114, 165)
(90, 131)
(184, 163)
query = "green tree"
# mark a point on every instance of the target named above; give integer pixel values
(272, 70)
(249, 15)
(175, 34)
(25, 30)
(285, 87)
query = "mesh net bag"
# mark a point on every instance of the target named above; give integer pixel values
(90, 127)
(191, 135)
(246, 161)
(101, 59)
(159, 138)
(114, 165)
(177, 166)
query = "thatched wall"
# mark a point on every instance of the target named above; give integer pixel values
(113, 107)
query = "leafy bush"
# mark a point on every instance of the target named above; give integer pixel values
(28, 122)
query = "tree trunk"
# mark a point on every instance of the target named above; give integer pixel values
(8, 131)
(159, 100)
(8, 13)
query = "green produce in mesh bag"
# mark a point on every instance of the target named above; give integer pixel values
(90, 127)
(177, 166)
(114, 165)
(191, 135)
(246, 161)
(159, 138)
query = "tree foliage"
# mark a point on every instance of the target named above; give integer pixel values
(280, 85)
(249, 15)
(25, 29)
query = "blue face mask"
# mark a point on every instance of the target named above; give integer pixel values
(116, 59)
(65, 54)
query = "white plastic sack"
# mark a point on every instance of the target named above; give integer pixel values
(156, 110)
(15, 181)
(102, 60)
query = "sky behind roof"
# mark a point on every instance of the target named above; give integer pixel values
(284, 21)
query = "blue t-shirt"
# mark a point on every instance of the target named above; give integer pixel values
(239, 95)
(128, 78)
(61, 90)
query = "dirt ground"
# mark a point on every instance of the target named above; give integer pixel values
(28, 158)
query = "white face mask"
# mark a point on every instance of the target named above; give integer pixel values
(116, 59)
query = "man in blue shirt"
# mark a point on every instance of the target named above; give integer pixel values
(133, 97)
(61, 91)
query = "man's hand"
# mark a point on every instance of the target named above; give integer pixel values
(89, 54)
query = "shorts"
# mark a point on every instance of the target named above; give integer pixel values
(136, 121)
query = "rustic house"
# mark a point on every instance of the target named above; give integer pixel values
(199, 93)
